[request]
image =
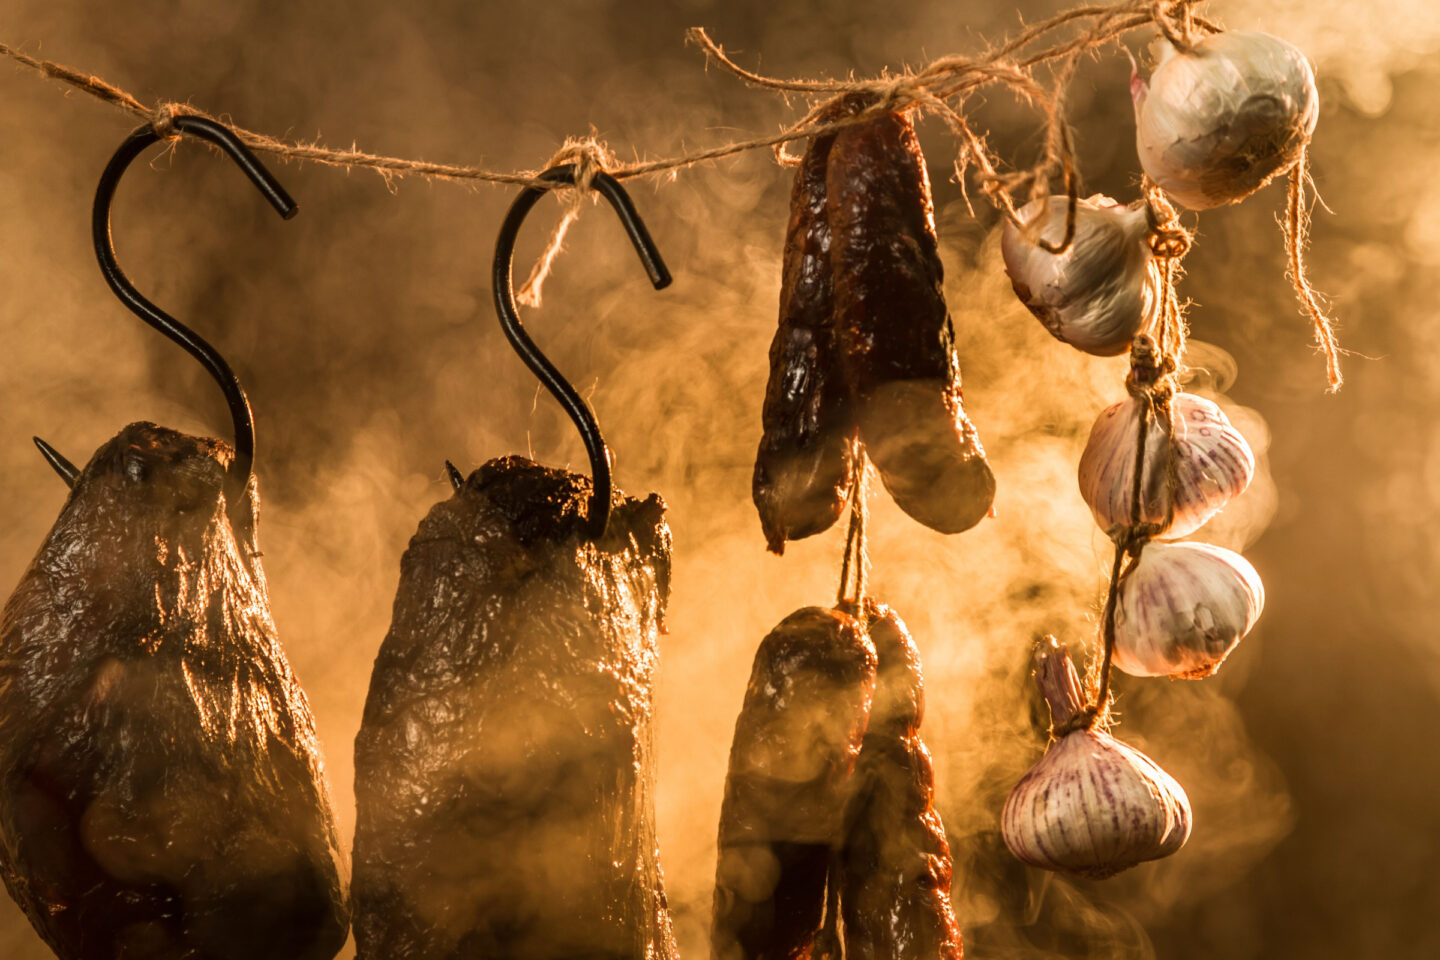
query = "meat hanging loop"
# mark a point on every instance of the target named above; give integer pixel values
(504, 287)
(238, 475)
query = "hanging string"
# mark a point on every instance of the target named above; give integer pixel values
(855, 560)
(942, 79)
(588, 156)
(1297, 233)
(1151, 382)
(929, 89)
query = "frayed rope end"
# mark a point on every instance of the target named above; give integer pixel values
(589, 156)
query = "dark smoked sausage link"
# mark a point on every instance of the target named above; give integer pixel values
(893, 328)
(504, 766)
(897, 865)
(802, 469)
(162, 793)
(796, 741)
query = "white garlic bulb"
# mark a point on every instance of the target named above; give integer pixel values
(1093, 805)
(1212, 464)
(1103, 289)
(1218, 123)
(1182, 609)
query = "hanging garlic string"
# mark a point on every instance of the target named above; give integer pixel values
(1151, 382)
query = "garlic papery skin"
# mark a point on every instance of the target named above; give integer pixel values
(1103, 289)
(1093, 805)
(1218, 123)
(1182, 608)
(1212, 461)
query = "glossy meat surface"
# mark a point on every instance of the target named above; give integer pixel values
(162, 793)
(897, 865)
(803, 467)
(503, 770)
(788, 785)
(894, 330)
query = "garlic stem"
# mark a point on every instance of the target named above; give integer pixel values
(1058, 682)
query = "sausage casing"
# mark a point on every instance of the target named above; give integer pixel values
(803, 469)
(788, 786)
(894, 330)
(897, 864)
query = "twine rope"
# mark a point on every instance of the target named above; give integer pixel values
(939, 88)
(941, 80)
(588, 156)
(1151, 382)
(1296, 228)
(855, 562)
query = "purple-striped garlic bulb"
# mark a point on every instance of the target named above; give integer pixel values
(1103, 290)
(1212, 463)
(1182, 609)
(1218, 123)
(1092, 806)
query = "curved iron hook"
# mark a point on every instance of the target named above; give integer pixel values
(457, 479)
(503, 285)
(238, 475)
(67, 470)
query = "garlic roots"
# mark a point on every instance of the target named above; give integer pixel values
(1092, 806)
(1182, 609)
(1218, 123)
(1103, 289)
(1212, 464)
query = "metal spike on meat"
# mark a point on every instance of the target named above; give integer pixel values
(788, 784)
(897, 866)
(803, 470)
(162, 793)
(504, 767)
(894, 330)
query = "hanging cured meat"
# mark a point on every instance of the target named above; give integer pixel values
(803, 469)
(161, 787)
(893, 328)
(897, 865)
(503, 771)
(865, 345)
(788, 785)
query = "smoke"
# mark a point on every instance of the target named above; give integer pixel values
(364, 333)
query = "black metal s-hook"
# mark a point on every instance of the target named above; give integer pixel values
(539, 364)
(239, 472)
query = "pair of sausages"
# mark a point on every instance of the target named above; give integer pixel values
(865, 346)
(831, 789)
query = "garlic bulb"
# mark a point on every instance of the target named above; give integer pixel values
(1212, 462)
(1092, 806)
(1099, 293)
(1183, 608)
(1218, 123)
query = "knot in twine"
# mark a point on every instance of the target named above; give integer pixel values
(162, 119)
(589, 157)
(1170, 242)
(1083, 719)
(1149, 380)
(1175, 22)
(1168, 239)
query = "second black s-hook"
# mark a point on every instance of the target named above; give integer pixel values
(238, 475)
(539, 364)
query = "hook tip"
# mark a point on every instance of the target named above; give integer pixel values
(457, 479)
(67, 470)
